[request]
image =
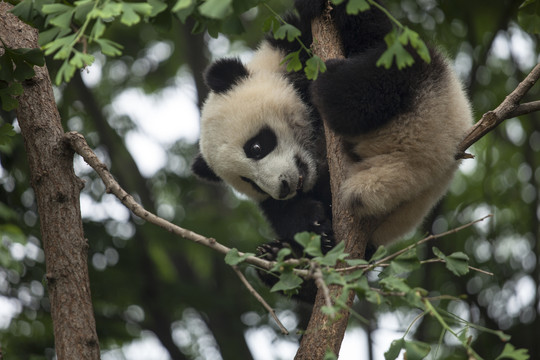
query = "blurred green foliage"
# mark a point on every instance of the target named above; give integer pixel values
(145, 281)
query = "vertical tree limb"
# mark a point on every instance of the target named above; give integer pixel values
(322, 332)
(57, 193)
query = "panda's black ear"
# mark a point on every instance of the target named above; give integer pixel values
(222, 75)
(201, 169)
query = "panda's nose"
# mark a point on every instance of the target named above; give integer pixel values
(284, 189)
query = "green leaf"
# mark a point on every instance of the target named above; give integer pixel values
(216, 9)
(23, 71)
(31, 56)
(64, 42)
(6, 133)
(282, 254)
(373, 297)
(409, 36)
(81, 60)
(414, 297)
(355, 262)
(329, 355)
(310, 242)
(65, 73)
(510, 352)
(56, 8)
(356, 6)
(379, 254)
(182, 4)
(395, 349)
(287, 30)
(108, 11)
(233, 257)
(131, 12)
(270, 24)
(82, 9)
(416, 350)
(63, 20)
(293, 61)
(333, 277)
(49, 35)
(314, 66)
(97, 30)
(395, 284)
(332, 257)
(109, 47)
(395, 50)
(457, 263)
(6, 67)
(23, 10)
(184, 13)
(7, 96)
(405, 262)
(529, 16)
(330, 310)
(287, 281)
(158, 7)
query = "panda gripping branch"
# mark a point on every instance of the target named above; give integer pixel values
(262, 133)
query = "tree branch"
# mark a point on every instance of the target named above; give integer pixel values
(509, 108)
(80, 146)
(260, 299)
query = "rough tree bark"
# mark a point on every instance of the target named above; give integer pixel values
(57, 189)
(324, 333)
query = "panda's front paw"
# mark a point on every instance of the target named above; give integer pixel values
(269, 251)
(321, 224)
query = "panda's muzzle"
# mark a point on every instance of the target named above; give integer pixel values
(284, 189)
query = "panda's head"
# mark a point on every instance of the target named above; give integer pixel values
(256, 133)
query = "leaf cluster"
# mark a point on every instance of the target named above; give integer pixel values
(389, 287)
(16, 66)
(69, 28)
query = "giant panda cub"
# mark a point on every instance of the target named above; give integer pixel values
(262, 133)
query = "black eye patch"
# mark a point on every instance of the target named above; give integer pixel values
(261, 144)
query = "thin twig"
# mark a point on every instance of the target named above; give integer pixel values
(428, 261)
(319, 281)
(509, 108)
(437, 260)
(259, 299)
(426, 239)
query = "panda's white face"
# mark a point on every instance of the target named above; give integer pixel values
(257, 137)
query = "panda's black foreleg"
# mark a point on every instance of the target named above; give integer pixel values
(302, 213)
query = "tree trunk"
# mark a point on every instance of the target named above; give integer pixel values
(324, 333)
(57, 193)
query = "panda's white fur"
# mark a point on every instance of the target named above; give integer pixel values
(229, 120)
(401, 159)
(408, 164)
